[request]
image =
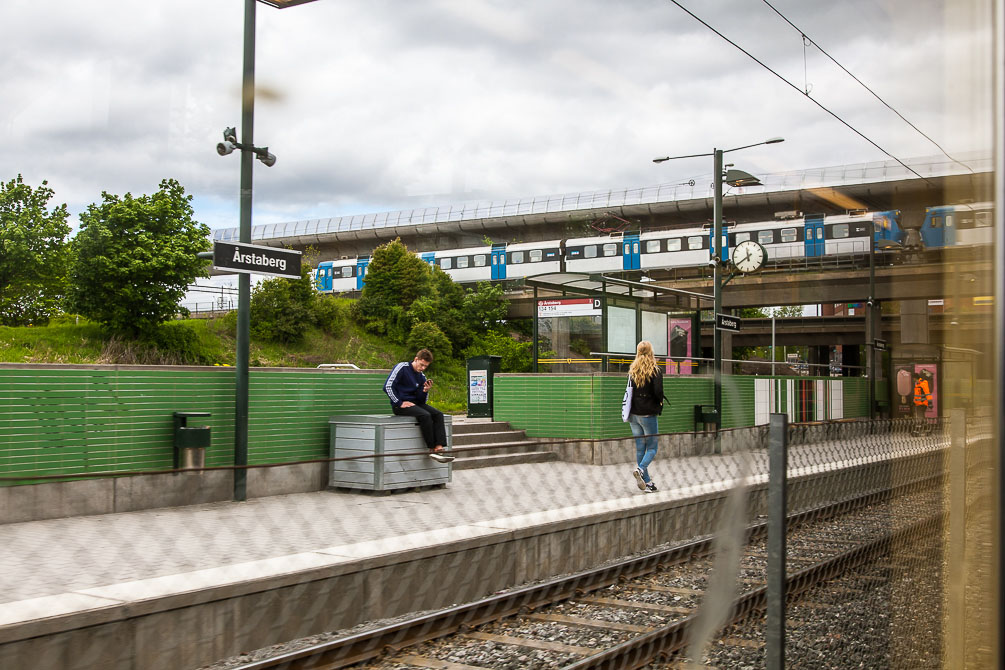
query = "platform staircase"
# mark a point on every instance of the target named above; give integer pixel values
(484, 443)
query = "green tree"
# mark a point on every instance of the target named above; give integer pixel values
(485, 306)
(34, 253)
(283, 309)
(426, 335)
(786, 311)
(515, 356)
(135, 257)
(394, 278)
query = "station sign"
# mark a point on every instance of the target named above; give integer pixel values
(238, 257)
(728, 322)
(568, 307)
(880, 345)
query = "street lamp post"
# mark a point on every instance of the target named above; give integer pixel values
(248, 151)
(733, 178)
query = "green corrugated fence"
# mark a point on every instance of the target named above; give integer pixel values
(588, 406)
(84, 419)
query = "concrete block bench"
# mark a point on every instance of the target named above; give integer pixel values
(386, 438)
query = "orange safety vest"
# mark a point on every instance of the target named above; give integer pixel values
(922, 394)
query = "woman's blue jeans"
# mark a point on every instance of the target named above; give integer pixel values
(644, 428)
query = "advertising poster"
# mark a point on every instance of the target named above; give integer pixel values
(679, 337)
(478, 387)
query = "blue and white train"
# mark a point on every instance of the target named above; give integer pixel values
(787, 239)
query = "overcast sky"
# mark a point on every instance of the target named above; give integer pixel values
(376, 105)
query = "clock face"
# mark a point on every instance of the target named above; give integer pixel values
(749, 256)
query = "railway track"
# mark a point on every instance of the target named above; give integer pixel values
(635, 612)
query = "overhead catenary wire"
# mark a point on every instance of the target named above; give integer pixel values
(806, 95)
(810, 40)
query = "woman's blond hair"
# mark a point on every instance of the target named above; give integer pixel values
(644, 366)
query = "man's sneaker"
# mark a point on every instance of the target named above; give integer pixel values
(651, 487)
(638, 479)
(440, 457)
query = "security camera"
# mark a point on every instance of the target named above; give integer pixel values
(225, 147)
(267, 159)
(230, 135)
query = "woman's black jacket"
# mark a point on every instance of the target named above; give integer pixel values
(648, 398)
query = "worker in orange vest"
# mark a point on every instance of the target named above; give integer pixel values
(922, 401)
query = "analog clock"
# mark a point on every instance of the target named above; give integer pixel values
(749, 256)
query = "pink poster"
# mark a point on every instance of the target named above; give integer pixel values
(679, 338)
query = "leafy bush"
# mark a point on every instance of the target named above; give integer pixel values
(426, 335)
(516, 356)
(282, 309)
(331, 314)
(188, 342)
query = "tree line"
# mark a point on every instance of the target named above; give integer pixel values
(130, 263)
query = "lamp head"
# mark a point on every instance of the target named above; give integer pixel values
(225, 147)
(661, 160)
(230, 135)
(267, 159)
(741, 178)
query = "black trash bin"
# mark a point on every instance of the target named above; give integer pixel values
(481, 370)
(705, 415)
(190, 442)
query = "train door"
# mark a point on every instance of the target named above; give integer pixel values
(499, 262)
(724, 246)
(361, 264)
(630, 252)
(323, 277)
(813, 236)
(939, 228)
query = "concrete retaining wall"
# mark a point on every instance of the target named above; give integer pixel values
(34, 502)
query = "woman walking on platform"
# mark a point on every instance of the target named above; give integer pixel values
(646, 382)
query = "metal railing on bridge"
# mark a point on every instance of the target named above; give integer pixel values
(701, 187)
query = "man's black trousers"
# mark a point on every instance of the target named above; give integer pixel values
(430, 423)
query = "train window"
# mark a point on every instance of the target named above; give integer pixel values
(535, 255)
(480, 261)
(966, 221)
(445, 263)
(674, 244)
(936, 222)
(590, 251)
(740, 237)
(462, 262)
(983, 219)
(695, 241)
(840, 230)
(653, 247)
(766, 236)
(611, 249)
(789, 235)
(516, 257)
(347, 271)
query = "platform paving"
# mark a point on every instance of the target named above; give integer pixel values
(66, 556)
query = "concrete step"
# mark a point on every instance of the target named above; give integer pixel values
(491, 449)
(466, 426)
(472, 462)
(489, 438)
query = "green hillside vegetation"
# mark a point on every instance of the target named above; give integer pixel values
(74, 340)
